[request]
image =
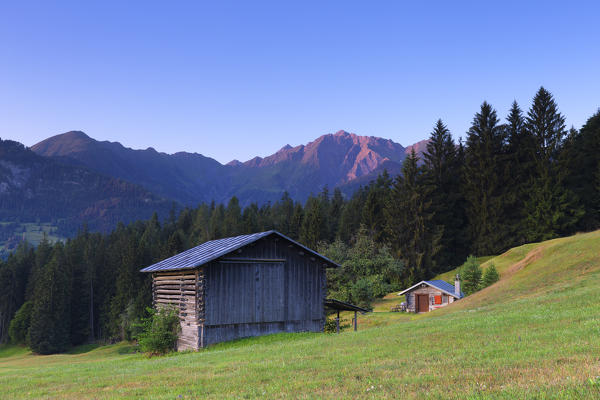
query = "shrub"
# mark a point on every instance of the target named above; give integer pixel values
(331, 326)
(490, 276)
(368, 270)
(18, 329)
(159, 331)
(362, 292)
(471, 274)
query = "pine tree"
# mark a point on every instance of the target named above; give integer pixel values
(551, 208)
(484, 182)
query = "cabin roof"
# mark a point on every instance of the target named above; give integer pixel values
(213, 249)
(438, 284)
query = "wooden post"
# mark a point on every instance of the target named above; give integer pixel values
(337, 322)
(355, 321)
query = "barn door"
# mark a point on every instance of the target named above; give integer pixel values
(245, 292)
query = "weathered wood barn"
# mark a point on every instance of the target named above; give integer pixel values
(427, 296)
(243, 286)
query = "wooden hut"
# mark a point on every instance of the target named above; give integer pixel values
(427, 296)
(243, 286)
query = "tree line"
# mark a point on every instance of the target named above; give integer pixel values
(520, 180)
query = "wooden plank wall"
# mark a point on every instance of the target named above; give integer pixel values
(254, 292)
(179, 289)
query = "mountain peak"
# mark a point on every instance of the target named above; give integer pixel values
(419, 147)
(75, 135)
(64, 144)
(342, 133)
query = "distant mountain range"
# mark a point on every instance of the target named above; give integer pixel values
(70, 179)
(35, 188)
(341, 160)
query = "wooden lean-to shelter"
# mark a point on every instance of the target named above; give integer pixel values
(427, 296)
(242, 286)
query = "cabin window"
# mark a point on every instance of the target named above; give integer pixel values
(438, 299)
(444, 299)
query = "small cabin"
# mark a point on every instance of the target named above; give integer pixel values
(242, 286)
(427, 296)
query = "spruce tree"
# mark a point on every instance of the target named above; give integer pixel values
(490, 276)
(335, 213)
(351, 217)
(484, 182)
(581, 161)
(373, 218)
(551, 208)
(232, 222)
(49, 330)
(519, 175)
(313, 228)
(443, 176)
(297, 221)
(412, 233)
(471, 276)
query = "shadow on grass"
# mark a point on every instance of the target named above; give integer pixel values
(128, 349)
(265, 339)
(84, 348)
(9, 350)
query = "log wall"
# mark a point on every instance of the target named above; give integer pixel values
(180, 289)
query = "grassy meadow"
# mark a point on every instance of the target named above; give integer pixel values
(533, 334)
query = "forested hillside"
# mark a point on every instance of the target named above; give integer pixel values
(522, 180)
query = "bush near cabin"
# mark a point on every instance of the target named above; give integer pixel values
(159, 331)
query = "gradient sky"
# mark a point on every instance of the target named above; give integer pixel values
(234, 80)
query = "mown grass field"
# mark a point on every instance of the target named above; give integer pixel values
(534, 334)
(32, 232)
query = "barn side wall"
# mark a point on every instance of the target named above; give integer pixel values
(181, 289)
(269, 286)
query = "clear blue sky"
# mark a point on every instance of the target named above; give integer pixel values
(235, 80)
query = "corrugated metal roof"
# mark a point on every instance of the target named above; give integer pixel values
(445, 286)
(214, 249)
(439, 284)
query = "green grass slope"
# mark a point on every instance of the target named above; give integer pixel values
(534, 334)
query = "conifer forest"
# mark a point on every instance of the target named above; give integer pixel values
(520, 175)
